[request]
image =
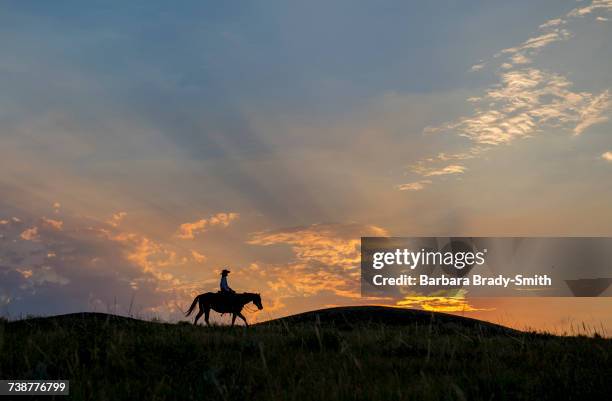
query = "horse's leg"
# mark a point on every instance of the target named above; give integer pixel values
(198, 316)
(233, 319)
(241, 316)
(206, 315)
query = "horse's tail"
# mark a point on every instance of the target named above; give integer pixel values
(193, 305)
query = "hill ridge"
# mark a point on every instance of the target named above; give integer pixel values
(340, 316)
(347, 316)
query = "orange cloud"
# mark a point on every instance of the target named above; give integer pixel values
(42, 274)
(329, 244)
(440, 304)
(55, 224)
(116, 219)
(189, 230)
(413, 186)
(31, 234)
(198, 257)
(425, 171)
(147, 254)
(326, 259)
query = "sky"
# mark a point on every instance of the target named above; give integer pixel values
(145, 146)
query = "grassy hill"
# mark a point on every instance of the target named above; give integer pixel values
(356, 316)
(357, 353)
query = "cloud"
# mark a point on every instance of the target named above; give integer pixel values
(469, 154)
(198, 257)
(433, 172)
(413, 186)
(89, 267)
(552, 23)
(477, 67)
(519, 58)
(607, 156)
(41, 275)
(149, 255)
(440, 304)
(116, 219)
(593, 112)
(31, 234)
(596, 5)
(329, 244)
(326, 259)
(525, 100)
(451, 169)
(190, 230)
(53, 224)
(535, 44)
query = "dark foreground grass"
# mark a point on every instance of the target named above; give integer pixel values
(123, 359)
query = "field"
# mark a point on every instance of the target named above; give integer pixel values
(361, 353)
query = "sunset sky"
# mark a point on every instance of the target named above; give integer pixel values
(145, 146)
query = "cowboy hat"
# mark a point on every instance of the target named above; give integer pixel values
(225, 271)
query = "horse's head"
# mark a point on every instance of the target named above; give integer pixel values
(257, 301)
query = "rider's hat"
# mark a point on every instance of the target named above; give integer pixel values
(224, 271)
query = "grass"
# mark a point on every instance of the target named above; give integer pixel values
(113, 358)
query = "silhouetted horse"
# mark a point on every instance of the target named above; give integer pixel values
(223, 303)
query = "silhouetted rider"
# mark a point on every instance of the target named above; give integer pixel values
(225, 288)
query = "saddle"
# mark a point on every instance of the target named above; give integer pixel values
(226, 294)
